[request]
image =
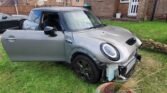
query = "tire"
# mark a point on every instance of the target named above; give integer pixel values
(85, 68)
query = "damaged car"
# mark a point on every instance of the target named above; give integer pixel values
(75, 36)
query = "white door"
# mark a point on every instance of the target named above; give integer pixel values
(133, 7)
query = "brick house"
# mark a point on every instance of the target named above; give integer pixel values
(25, 6)
(43, 2)
(136, 9)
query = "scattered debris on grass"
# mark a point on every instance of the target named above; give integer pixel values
(151, 44)
(146, 69)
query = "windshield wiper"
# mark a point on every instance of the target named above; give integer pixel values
(89, 28)
(96, 26)
(99, 25)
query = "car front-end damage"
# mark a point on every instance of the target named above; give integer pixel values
(121, 70)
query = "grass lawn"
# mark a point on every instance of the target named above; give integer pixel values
(156, 30)
(38, 77)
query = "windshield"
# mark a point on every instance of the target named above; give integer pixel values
(80, 20)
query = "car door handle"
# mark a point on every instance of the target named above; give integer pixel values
(69, 41)
(11, 39)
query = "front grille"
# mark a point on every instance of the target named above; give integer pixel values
(131, 41)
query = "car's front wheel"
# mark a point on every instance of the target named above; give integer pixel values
(85, 68)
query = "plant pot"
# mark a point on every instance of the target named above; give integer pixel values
(112, 87)
(118, 15)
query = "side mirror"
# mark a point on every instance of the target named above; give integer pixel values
(4, 17)
(50, 31)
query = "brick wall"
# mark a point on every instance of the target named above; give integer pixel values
(6, 2)
(108, 8)
(32, 2)
(142, 9)
(55, 2)
(25, 9)
(7, 9)
(75, 3)
(103, 8)
(12, 9)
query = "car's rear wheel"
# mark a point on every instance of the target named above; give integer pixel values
(86, 69)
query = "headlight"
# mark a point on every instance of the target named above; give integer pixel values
(110, 51)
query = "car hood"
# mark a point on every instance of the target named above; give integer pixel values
(116, 36)
(110, 34)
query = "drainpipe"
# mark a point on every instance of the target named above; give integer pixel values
(26, 2)
(66, 2)
(154, 9)
(71, 3)
(15, 3)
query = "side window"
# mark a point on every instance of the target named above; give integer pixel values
(35, 16)
(51, 19)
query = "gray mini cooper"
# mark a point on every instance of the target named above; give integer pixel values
(73, 35)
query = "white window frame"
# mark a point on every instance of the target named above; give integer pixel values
(122, 1)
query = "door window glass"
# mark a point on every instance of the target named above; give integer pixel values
(35, 16)
(51, 19)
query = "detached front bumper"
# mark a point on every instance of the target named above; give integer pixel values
(121, 71)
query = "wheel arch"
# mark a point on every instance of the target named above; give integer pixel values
(92, 64)
(81, 51)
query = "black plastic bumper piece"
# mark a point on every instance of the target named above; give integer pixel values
(122, 70)
(138, 56)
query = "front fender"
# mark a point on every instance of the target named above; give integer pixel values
(83, 51)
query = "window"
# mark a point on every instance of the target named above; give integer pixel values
(124, 1)
(51, 19)
(35, 16)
